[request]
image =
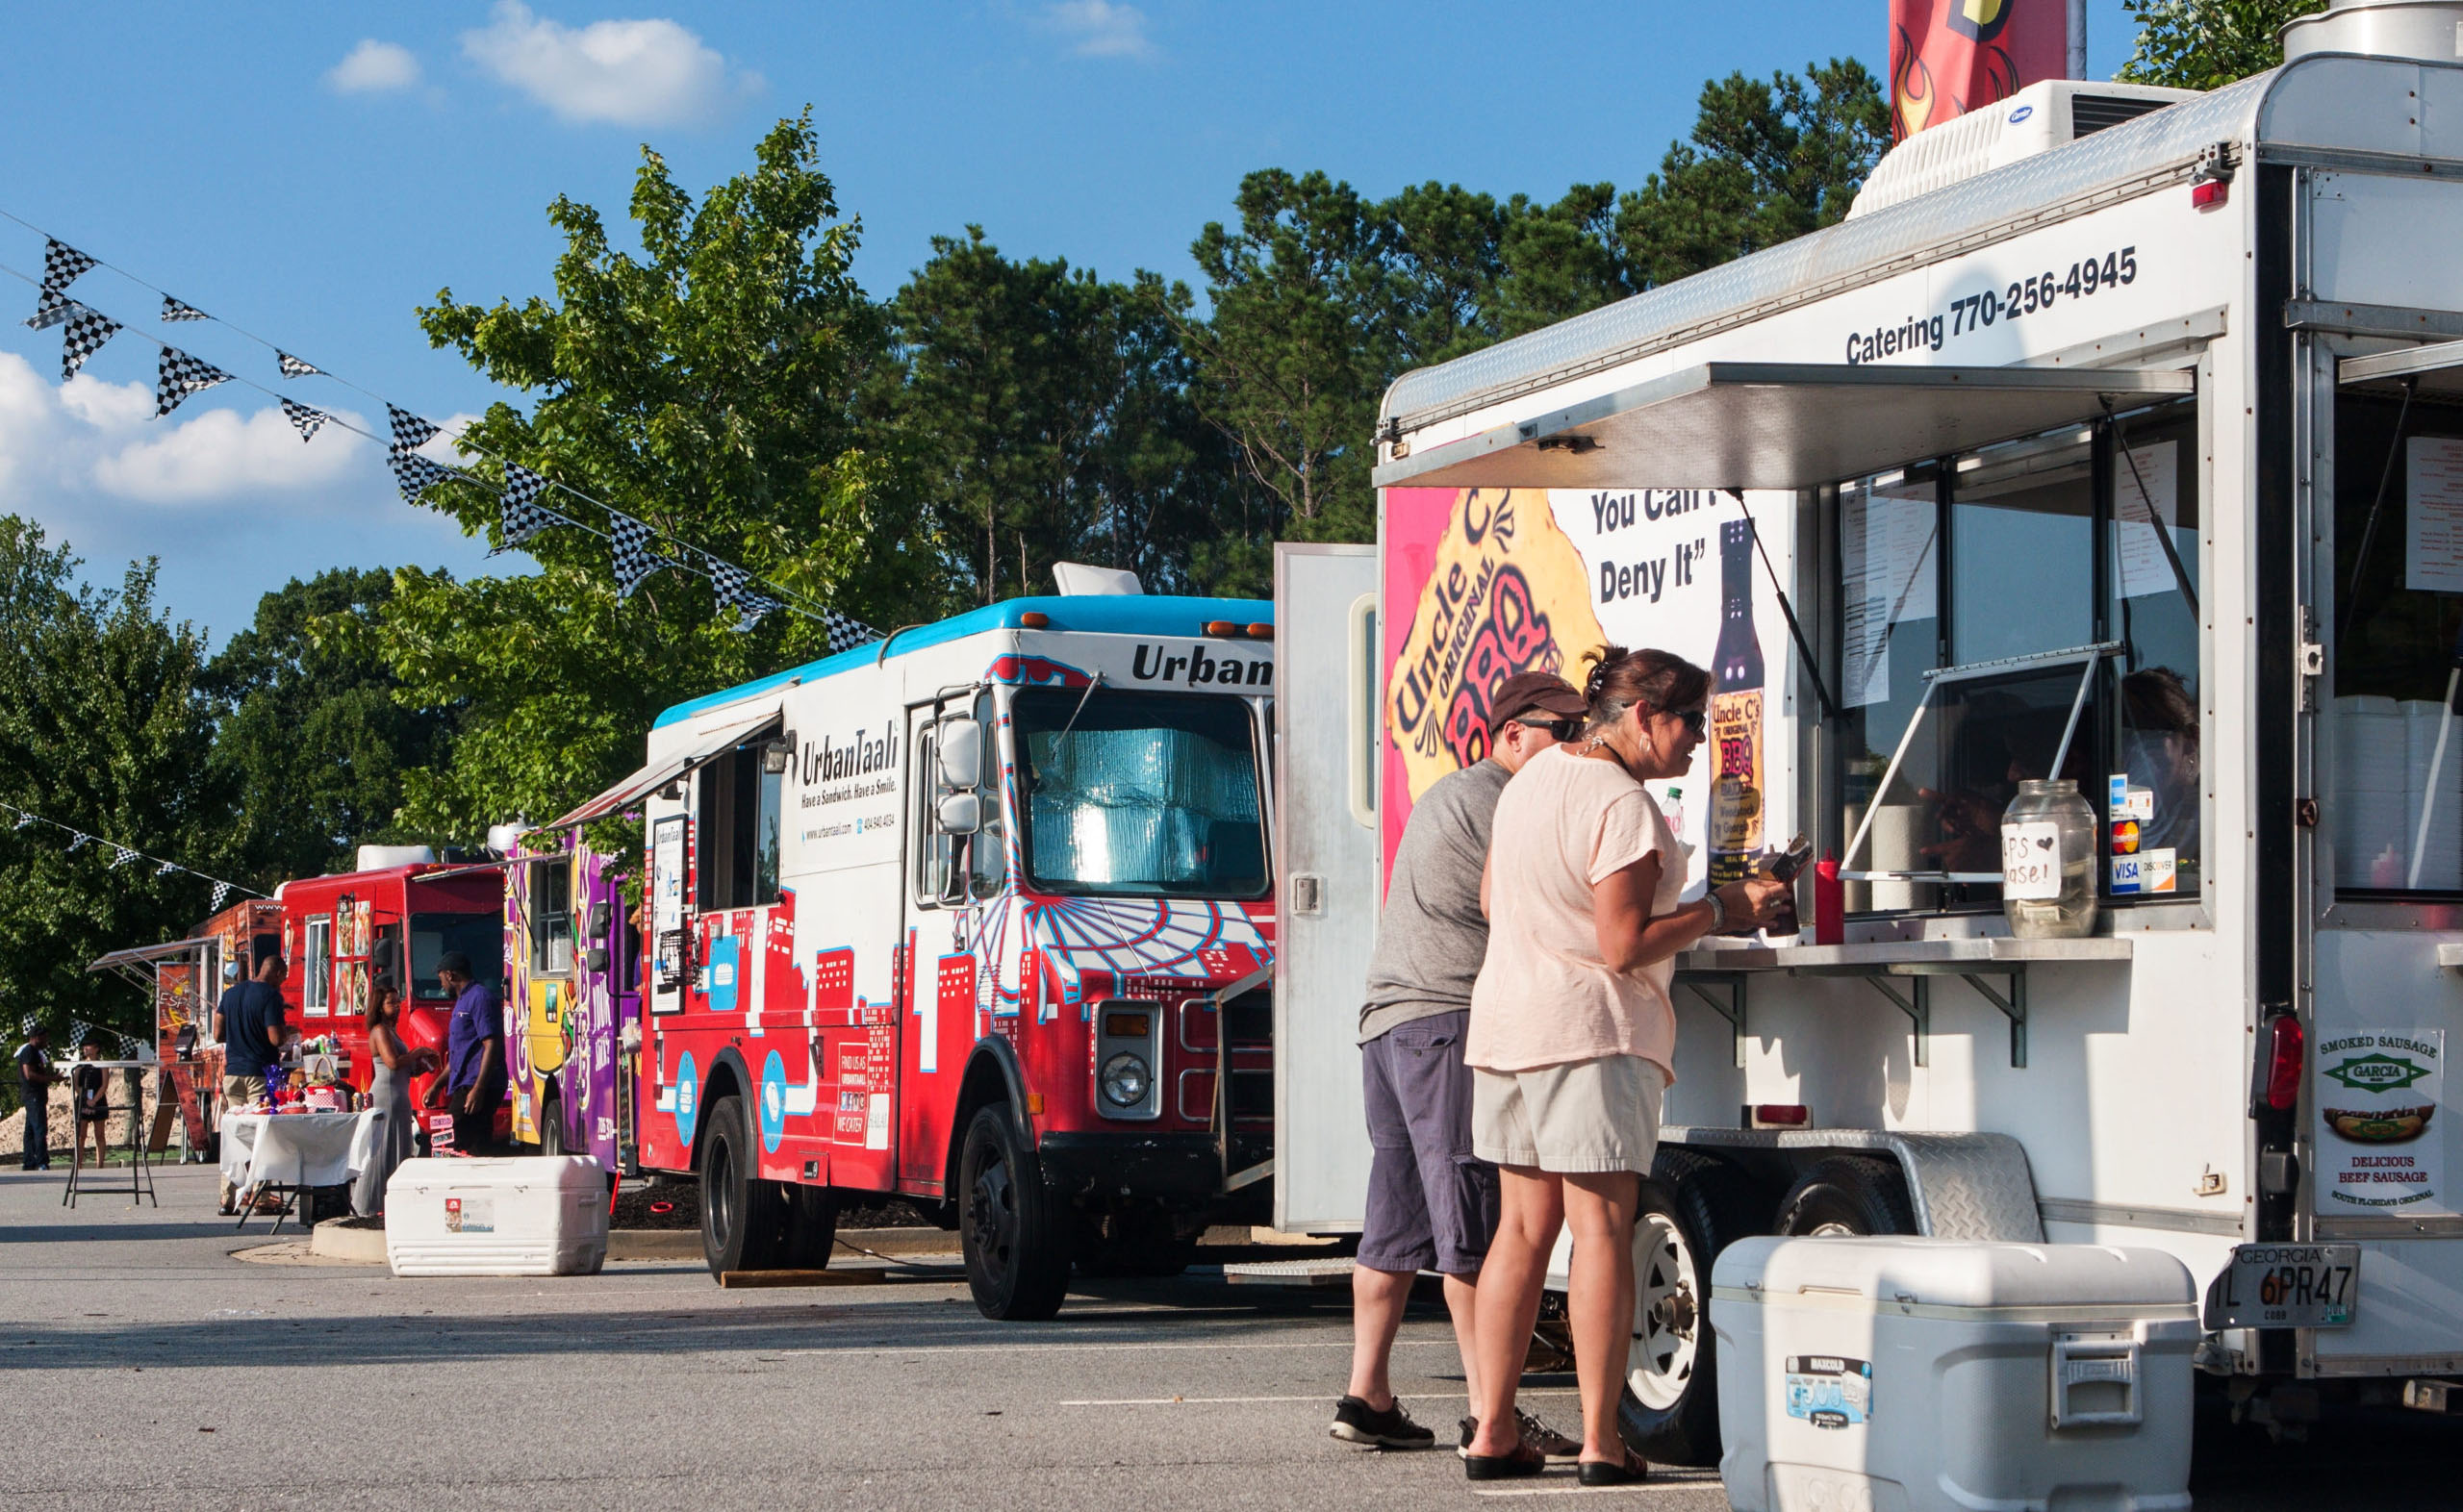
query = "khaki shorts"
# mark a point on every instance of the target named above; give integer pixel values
(1585, 1116)
(238, 1092)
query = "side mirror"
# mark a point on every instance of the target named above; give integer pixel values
(959, 813)
(596, 959)
(601, 917)
(959, 749)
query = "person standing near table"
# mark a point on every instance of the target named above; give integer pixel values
(475, 1072)
(34, 1078)
(389, 1094)
(250, 1024)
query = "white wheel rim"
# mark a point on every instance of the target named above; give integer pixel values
(1668, 1313)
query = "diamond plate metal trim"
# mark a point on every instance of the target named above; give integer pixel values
(1963, 1186)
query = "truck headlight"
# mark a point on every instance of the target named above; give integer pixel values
(1126, 1080)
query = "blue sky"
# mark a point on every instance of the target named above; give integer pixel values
(313, 172)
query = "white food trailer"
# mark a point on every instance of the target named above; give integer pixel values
(2128, 451)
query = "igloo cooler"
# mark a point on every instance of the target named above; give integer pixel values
(1914, 1374)
(538, 1215)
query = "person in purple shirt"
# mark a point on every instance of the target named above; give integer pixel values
(474, 1082)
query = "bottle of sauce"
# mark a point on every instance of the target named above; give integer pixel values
(1736, 782)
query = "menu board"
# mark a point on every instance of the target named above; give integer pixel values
(2433, 514)
(2143, 493)
(1886, 546)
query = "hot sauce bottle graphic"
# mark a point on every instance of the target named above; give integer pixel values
(1736, 714)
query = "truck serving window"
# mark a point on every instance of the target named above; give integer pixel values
(739, 830)
(2395, 821)
(551, 916)
(1991, 563)
(1140, 795)
(479, 936)
(317, 976)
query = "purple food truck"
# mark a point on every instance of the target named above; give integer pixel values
(572, 998)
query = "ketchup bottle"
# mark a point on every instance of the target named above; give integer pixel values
(1829, 903)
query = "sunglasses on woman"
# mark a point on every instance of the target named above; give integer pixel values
(1696, 721)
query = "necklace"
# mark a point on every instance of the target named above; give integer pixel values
(1599, 743)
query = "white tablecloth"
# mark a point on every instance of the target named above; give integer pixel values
(298, 1150)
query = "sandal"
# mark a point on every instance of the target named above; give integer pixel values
(1631, 1471)
(1524, 1461)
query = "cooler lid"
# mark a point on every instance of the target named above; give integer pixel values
(1947, 1273)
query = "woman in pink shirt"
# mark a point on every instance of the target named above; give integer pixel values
(1572, 1036)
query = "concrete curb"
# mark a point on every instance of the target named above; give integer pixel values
(331, 1241)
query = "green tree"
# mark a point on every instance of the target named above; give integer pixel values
(315, 737)
(104, 727)
(705, 387)
(1767, 163)
(2206, 44)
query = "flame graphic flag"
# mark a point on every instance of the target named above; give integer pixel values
(1949, 56)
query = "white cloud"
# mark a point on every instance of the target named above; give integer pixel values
(373, 68)
(626, 73)
(1102, 29)
(218, 453)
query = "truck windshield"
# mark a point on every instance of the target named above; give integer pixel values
(1139, 795)
(479, 936)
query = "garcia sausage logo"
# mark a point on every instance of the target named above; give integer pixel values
(1507, 592)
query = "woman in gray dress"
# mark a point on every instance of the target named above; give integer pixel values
(388, 1093)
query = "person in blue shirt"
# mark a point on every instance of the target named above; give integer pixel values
(474, 1082)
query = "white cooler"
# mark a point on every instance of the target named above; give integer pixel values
(1912, 1374)
(540, 1215)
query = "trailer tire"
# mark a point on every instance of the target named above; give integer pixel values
(1015, 1232)
(1849, 1197)
(552, 1126)
(744, 1218)
(1691, 1206)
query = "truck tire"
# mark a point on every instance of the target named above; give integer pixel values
(811, 1225)
(1015, 1234)
(1691, 1207)
(552, 1126)
(1849, 1197)
(744, 1218)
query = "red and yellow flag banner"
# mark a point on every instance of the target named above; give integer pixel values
(1949, 56)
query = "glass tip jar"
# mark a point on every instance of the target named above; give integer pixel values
(2048, 861)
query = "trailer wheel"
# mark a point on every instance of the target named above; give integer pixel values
(551, 1126)
(1849, 1197)
(742, 1217)
(1691, 1207)
(1016, 1236)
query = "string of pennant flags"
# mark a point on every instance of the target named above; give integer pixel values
(126, 855)
(635, 546)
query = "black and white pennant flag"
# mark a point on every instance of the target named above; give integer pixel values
(87, 330)
(222, 890)
(293, 367)
(167, 869)
(77, 841)
(177, 309)
(61, 264)
(753, 608)
(633, 558)
(179, 376)
(416, 474)
(520, 512)
(51, 307)
(727, 581)
(409, 430)
(845, 634)
(307, 419)
(121, 856)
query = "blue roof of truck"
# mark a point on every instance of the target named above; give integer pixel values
(1098, 613)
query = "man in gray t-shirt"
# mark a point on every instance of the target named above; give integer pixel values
(1431, 1203)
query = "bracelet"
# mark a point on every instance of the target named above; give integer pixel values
(1718, 912)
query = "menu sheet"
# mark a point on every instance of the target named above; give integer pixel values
(2433, 514)
(1886, 544)
(2142, 495)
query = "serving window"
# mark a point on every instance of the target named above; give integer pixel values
(2014, 612)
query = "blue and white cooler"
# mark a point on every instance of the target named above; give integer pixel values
(1915, 1374)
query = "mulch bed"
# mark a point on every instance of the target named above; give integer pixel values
(678, 1206)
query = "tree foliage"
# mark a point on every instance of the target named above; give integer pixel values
(104, 727)
(2206, 44)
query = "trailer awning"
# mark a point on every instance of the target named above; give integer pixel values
(710, 745)
(1776, 425)
(140, 955)
(2434, 369)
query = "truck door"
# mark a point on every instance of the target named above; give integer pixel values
(1326, 876)
(944, 916)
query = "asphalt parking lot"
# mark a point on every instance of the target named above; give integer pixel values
(151, 1369)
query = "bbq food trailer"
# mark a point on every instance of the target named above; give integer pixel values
(977, 916)
(2135, 460)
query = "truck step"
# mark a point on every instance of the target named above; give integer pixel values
(1332, 1271)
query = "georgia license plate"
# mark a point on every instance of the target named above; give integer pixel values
(2286, 1286)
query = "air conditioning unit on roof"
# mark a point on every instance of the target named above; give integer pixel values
(2038, 118)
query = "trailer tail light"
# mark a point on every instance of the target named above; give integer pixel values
(2207, 192)
(2283, 1063)
(1781, 1115)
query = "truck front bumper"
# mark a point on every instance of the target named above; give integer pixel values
(1180, 1166)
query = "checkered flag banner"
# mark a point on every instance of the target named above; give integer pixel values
(178, 309)
(845, 634)
(409, 430)
(62, 263)
(520, 512)
(87, 330)
(633, 558)
(727, 581)
(753, 608)
(24, 818)
(51, 307)
(167, 869)
(121, 856)
(77, 842)
(179, 376)
(305, 418)
(293, 367)
(222, 890)
(416, 474)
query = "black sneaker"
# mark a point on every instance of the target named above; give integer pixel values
(1355, 1422)
(1553, 1445)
